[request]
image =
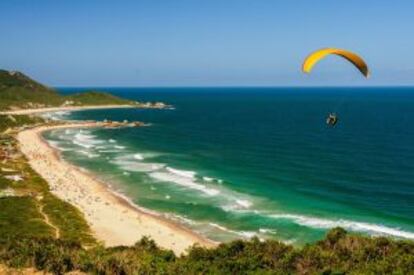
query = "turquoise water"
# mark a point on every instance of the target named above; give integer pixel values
(239, 162)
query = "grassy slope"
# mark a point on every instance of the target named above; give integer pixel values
(19, 91)
(20, 216)
(96, 98)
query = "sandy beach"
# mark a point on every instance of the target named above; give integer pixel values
(112, 218)
(63, 108)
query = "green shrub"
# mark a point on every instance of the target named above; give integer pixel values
(339, 253)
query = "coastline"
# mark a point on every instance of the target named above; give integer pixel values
(65, 108)
(112, 218)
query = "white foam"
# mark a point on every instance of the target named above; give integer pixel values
(210, 179)
(182, 173)
(267, 231)
(220, 227)
(375, 229)
(181, 219)
(82, 144)
(119, 147)
(244, 234)
(244, 203)
(235, 204)
(184, 181)
(133, 166)
(109, 151)
(88, 154)
(111, 140)
(86, 140)
(138, 157)
(168, 197)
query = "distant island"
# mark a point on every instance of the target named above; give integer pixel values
(46, 225)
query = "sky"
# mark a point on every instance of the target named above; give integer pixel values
(205, 43)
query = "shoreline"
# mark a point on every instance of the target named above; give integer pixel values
(65, 108)
(113, 218)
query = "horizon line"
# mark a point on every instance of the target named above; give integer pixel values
(230, 87)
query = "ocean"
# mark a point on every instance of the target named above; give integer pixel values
(235, 163)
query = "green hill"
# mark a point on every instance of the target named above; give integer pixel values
(18, 91)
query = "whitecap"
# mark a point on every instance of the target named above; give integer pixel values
(374, 229)
(184, 181)
(182, 173)
(181, 219)
(82, 144)
(134, 166)
(267, 231)
(88, 154)
(244, 234)
(86, 140)
(138, 157)
(237, 205)
(244, 203)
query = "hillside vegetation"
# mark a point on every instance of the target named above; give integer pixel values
(338, 253)
(27, 207)
(19, 91)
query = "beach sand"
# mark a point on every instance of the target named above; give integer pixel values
(112, 218)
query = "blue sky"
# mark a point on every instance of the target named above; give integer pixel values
(205, 43)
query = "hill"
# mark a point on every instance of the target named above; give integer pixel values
(18, 91)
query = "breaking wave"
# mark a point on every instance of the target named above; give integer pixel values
(183, 179)
(373, 229)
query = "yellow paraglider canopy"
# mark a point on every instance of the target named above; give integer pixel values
(314, 58)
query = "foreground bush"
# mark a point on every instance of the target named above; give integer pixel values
(338, 253)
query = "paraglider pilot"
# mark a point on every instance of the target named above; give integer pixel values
(332, 119)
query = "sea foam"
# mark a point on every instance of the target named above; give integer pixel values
(183, 179)
(244, 234)
(138, 157)
(182, 173)
(86, 140)
(374, 229)
(127, 164)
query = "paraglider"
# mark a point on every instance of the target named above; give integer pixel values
(316, 56)
(353, 58)
(332, 119)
